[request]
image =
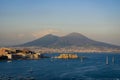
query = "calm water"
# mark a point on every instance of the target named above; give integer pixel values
(92, 68)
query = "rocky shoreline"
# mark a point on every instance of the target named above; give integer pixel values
(10, 54)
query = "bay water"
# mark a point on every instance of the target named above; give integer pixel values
(93, 67)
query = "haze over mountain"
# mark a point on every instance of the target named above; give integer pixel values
(70, 40)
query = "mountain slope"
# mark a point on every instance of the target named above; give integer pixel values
(79, 40)
(73, 39)
(45, 41)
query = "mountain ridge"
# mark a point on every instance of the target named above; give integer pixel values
(72, 39)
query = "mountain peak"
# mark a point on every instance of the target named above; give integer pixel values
(50, 35)
(75, 34)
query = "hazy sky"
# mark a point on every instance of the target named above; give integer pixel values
(26, 20)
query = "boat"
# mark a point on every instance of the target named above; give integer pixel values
(113, 59)
(107, 60)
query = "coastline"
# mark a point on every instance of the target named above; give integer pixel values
(31, 53)
(71, 49)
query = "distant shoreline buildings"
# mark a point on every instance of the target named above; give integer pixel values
(72, 49)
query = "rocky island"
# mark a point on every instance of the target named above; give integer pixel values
(67, 56)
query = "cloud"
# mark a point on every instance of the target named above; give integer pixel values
(47, 31)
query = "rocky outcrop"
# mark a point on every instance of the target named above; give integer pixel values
(8, 53)
(67, 56)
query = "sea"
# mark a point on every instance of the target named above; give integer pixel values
(95, 66)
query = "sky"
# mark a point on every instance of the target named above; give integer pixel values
(26, 20)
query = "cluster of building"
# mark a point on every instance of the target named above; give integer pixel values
(9, 53)
(72, 49)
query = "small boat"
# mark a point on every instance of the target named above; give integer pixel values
(113, 59)
(107, 60)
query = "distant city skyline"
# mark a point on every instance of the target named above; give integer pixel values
(26, 20)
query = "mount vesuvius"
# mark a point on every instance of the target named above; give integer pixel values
(70, 40)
